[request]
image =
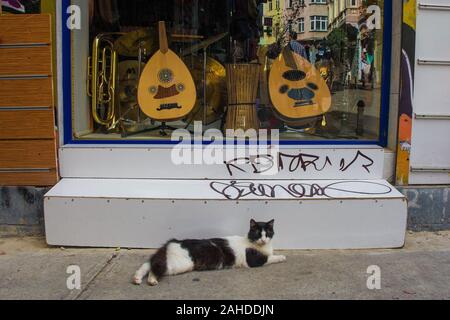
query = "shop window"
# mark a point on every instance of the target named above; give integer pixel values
(313, 86)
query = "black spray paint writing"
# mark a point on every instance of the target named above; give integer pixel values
(236, 190)
(293, 163)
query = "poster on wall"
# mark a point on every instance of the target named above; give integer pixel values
(406, 91)
(21, 6)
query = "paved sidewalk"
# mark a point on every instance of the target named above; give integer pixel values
(31, 270)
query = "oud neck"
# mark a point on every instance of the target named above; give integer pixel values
(163, 44)
(289, 59)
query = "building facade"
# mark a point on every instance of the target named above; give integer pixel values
(308, 18)
(311, 19)
(342, 12)
(273, 22)
(349, 133)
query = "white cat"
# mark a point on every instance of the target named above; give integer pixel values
(177, 257)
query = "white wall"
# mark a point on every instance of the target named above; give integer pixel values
(430, 152)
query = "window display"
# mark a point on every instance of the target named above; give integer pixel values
(311, 69)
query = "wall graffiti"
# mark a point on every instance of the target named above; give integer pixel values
(238, 190)
(301, 161)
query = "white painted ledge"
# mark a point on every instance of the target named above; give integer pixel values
(145, 213)
(318, 162)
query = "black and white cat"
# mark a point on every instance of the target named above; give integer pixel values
(177, 257)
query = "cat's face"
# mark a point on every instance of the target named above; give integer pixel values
(261, 233)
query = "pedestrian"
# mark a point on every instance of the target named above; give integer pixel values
(296, 46)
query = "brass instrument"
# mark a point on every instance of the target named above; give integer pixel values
(102, 80)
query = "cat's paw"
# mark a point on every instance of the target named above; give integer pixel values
(152, 281)
(136, 280)
(276, 259)
(279, 259)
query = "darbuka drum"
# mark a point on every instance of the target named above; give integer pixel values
(242, 84)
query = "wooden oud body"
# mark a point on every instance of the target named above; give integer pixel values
(166, 90)
(297, 89)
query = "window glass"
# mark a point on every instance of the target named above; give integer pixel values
(301, 25)
(310, 69)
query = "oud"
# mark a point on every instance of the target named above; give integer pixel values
(297, 89)
(166, 90)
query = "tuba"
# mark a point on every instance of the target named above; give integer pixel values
(102, 80)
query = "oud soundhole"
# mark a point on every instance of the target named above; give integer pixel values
(165, 76)
(301, 94)
(294, 75)
(180, 87)
(312, 86)
(284, 89)
(153, 90)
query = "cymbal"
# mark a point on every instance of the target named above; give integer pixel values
(204, 44)
(127, 89)
(216, 88)
(128, 70)
(128, 44)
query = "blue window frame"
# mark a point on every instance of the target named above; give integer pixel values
(67, 94)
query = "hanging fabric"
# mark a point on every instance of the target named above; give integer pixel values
(14, 6)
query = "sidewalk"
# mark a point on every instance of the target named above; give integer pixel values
(31, 270)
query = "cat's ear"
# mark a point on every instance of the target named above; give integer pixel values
(253, 224)
(271, 223)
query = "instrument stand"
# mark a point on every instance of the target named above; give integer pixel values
(205, 103)
(205, 106)
(162, 130)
